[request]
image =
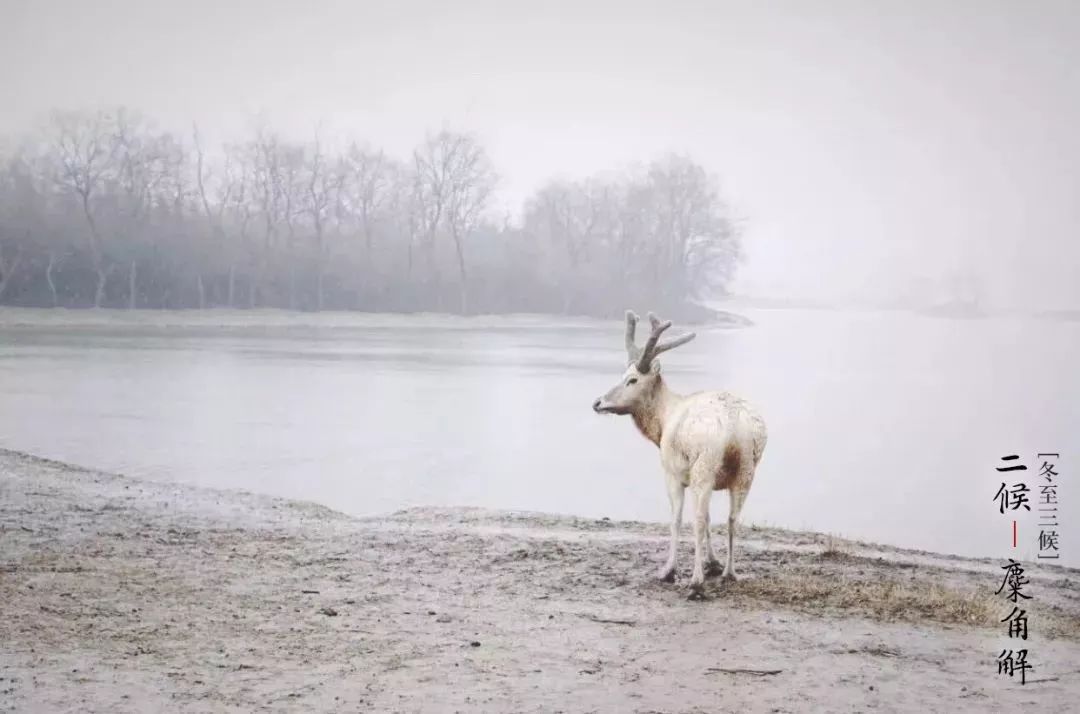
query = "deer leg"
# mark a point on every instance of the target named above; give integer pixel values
(676, 491)
(738, 496)
(712, 563)
(701, 521)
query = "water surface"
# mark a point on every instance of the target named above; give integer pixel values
(884, 426)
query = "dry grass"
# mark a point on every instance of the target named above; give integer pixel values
(838, 578)
(836, 548)
(1058, 624)
(878, 599)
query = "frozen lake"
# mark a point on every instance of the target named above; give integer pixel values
(884, 426)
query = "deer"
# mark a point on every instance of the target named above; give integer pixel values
(708, 441)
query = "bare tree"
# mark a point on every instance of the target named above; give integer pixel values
(367, 184)
(276, 188)
(86, 149)
(175, 204)
(408, 222)
(238, 211)
(564, 217)
(143, 168)
(8, 266)
(213, 212)
(322, 185)
(20, 214)
(292, 190)
(454, 183)
(696, 245)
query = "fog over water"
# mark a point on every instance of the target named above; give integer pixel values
(883, 426)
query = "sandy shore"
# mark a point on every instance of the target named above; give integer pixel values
(128, 596)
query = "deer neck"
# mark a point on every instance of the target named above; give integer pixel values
(650, 416)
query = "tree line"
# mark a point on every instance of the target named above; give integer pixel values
(102, 209)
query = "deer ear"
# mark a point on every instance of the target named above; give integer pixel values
(654, 368)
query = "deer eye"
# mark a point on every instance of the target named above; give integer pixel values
(632, 380)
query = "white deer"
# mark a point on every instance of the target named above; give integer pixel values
(709, 441)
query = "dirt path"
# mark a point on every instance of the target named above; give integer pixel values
(126, 596)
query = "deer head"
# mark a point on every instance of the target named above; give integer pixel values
(642, 375)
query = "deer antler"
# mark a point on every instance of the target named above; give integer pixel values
(653, 347)
(633, 352)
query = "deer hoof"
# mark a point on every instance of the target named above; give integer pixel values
(666, 575)
(696, 592)
(713, 568)
(728, 576)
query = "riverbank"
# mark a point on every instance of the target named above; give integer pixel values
(262, 318)
(126, 595)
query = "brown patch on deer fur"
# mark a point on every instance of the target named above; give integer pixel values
(729, 467)
(649, 424)
(646, 418)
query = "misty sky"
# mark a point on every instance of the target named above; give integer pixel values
(865, 144)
